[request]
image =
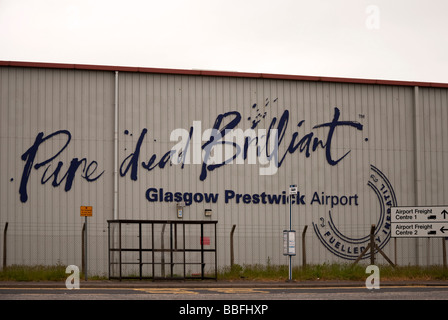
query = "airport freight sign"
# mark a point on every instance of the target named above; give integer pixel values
(419, 221)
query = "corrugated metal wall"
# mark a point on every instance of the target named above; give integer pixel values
(47, 227)
(433, 151)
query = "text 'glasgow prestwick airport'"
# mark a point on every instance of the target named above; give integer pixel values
(230, 196)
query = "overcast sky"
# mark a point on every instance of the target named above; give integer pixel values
(378, 39)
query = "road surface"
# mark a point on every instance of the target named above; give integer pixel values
(413, 292)
(228, 301)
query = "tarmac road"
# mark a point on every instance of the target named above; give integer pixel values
(224, 290)
(225, 300)
(217, 293)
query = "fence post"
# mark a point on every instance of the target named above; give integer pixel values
(372, 245)
(304, 248)
(4, 245)
(444, 253)
(231, 246)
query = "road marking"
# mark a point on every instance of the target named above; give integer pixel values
(166, 291)
(237, 290)
(198, 290)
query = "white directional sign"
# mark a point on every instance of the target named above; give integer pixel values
(419, 221)
(412, 214)
(418, 229)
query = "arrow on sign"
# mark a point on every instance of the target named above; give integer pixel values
(444, 212)
(443, 229)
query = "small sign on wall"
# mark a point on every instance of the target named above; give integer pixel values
(86, 211)
(205, 241)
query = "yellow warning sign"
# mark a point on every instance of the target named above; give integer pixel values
(86, 211)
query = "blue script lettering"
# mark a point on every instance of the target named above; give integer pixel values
(30, 155)
(308, 144)
(214, 141)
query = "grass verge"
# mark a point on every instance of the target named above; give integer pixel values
(38, 273)
(255, 272)
(331, 272)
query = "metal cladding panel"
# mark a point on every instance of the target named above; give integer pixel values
(434, 146)
(432, 115)
(367, 141)
(66, 115)
(351, 148)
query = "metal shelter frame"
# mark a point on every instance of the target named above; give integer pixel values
(175, 247)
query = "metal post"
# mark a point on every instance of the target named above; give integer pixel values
(216, 257)
(395, 250)
(304, 248)
(119, 248)
(444, 253)
(85, 249)
(231, 246)
(175, 237)
(202, 251)
(140, 257)
(162, 247)
(290, 228)
(372, 245)
(171, 250)
(83, 256)
(4, 245)
(183, 248)
(153, 251)
(108, 245)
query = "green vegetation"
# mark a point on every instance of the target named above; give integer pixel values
(38, 273)
(255, 272)
(331, 272)
(33, 273)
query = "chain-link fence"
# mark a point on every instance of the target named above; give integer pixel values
(180, 249)
(51, 243)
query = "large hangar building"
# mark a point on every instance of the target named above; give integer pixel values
(187, 145)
